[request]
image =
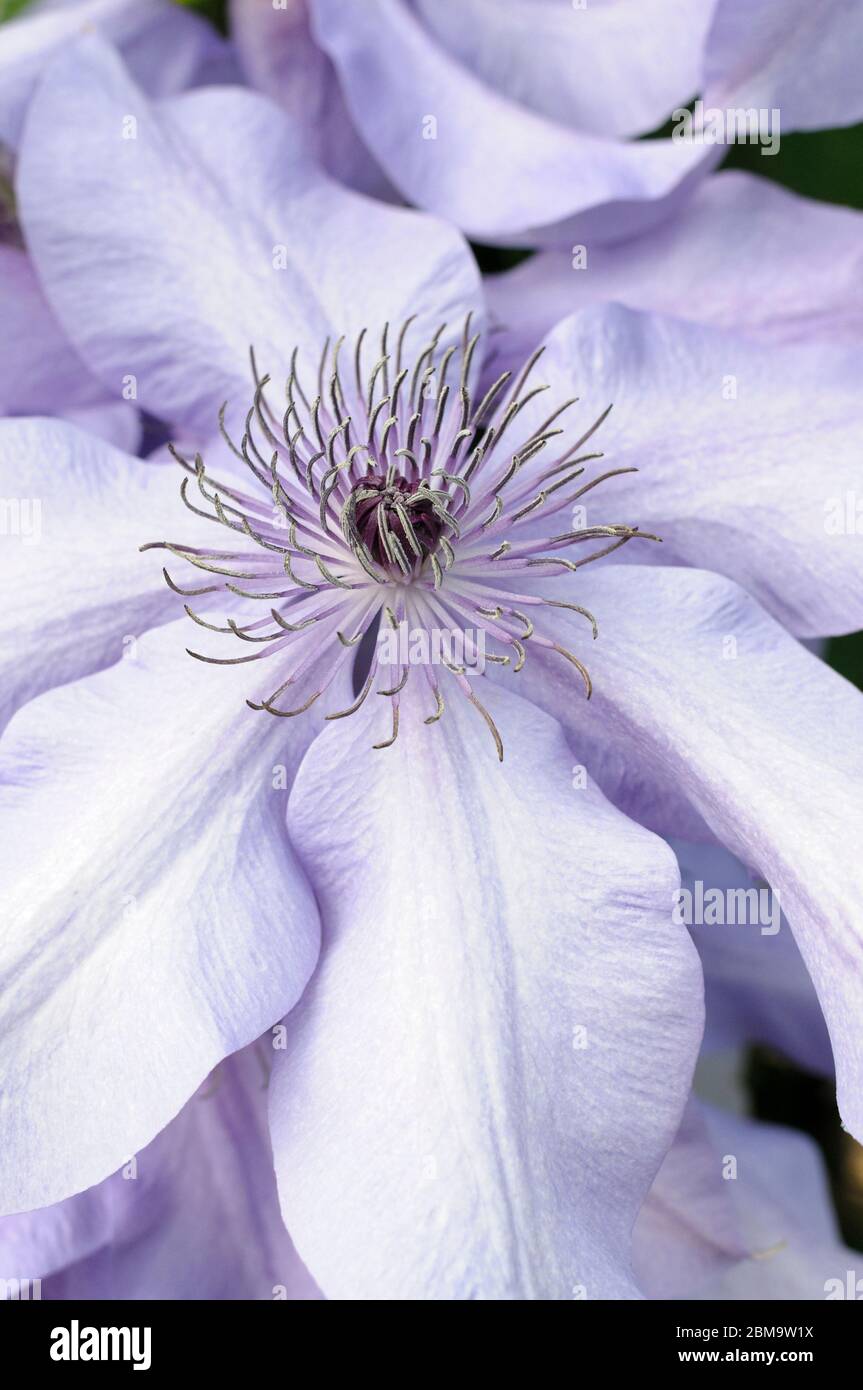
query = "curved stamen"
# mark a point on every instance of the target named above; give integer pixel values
(390, 491)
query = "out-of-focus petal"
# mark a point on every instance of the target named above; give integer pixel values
(688, 1232)
(166, 47)
(40, 371)
(464, 150)
(606, 70)
(195, 1215)
(800, 58)
(493, 1056)
(281, 59)
(756, 985)
(117, 422)
(739, 1210)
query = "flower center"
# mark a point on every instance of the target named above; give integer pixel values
(389, 496)
(398, 523)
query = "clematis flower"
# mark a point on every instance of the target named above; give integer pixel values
(189, 952)
(168, 49)
(516, 122)
(492, 1016)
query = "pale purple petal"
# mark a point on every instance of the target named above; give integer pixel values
(494, 1053)
(462, 149)
(117, 422)
(166, 48)
(746, 454)
(698, 692)
(783, 1198)
(756, 985)
(706, 264)
(195, 1215)
(75, 511)
(281, 59)
(210, 232)
(688, 1232)
(801, 58)
(739, 1210)
(155, 916)
(607, 69)
(40, 371)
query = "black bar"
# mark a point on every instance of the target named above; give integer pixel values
(263, 1338)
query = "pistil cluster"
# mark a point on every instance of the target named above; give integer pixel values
(389, 494)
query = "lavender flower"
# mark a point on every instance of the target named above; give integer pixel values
(168, 49)
(492, 1015)
(515, 121)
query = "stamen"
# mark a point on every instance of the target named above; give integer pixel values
(424, 517)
